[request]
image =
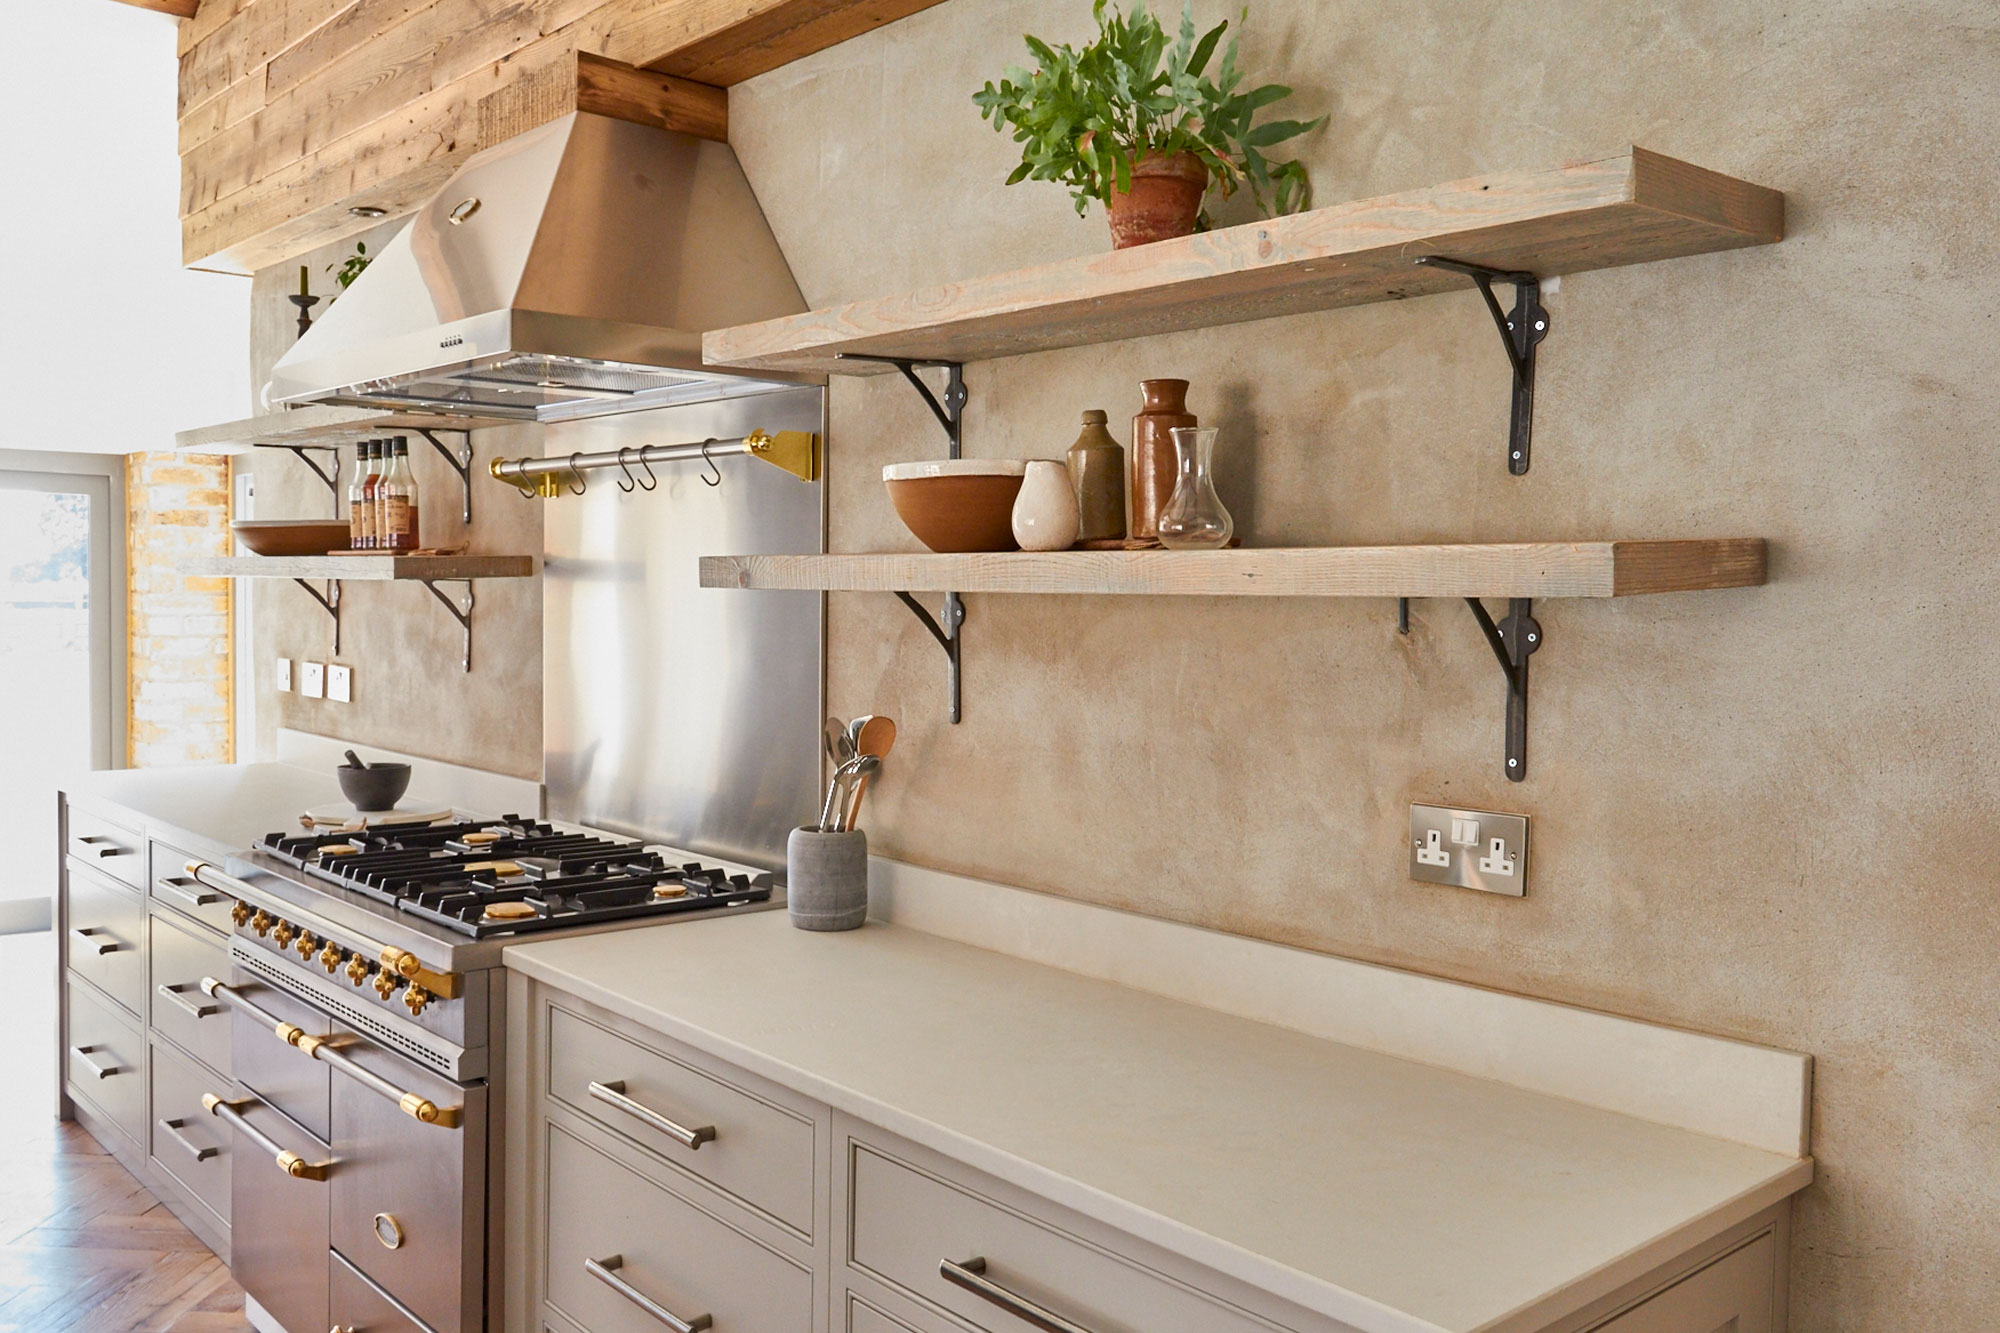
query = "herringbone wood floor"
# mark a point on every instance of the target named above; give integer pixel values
(84, 1248)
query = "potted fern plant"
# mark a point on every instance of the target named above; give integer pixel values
(1135, 121)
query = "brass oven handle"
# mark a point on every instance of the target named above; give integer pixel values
(288, 1161)
(174, 886)
(971, 1275)
(194, 1008)
(81, 937)
(415, 1105)
(612, 1093)
(112, 847)
(606, 1271)
(97, 1070)
(172, 1129)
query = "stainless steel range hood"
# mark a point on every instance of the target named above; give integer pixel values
(569, 272)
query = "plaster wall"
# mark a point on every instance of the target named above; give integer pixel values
(409, 693)
(1756, 812)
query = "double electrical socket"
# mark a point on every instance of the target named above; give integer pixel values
(1470, 849)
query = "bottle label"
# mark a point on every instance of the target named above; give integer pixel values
(400, 519)
(367, 542)
(354, 513)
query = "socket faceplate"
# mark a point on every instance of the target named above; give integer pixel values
(1481, 850)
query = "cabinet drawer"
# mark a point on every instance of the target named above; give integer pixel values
(865, 1318)
(187, 1142)
(358, 1304)
(107, 925)
(111, 848)
(760, 1152)
(1734, 1293)
(182, 956)
(618, 1243)
(172, 887)
(106, 1061)
(908, 1223)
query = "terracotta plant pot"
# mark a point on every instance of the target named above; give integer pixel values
(1164, 201)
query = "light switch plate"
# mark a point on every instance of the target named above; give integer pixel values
(285, 675)
(312, 679)
(340, 684)
(1469, 849)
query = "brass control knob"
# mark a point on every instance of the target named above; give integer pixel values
(329, 958)
(306, 944)
(240, 913)
(261, 923)
(386, 983)
(357, 969)
(281, 934)
(415, 998)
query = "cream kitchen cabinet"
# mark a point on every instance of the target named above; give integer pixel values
(698, 1188)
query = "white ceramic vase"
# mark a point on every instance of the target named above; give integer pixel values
(1045, 511)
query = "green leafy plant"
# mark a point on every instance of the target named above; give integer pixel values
(1085, 116)
(350, 268)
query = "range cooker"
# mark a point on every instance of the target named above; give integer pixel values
(368, 1002)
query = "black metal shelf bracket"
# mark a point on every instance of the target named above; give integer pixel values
(329, 602)
(461, 611)
(948, 636)
(1516, 638)
(329, 476)
(459, 460)
(1519, 333)
(950, 414)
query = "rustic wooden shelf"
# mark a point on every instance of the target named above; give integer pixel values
(429, 570)
(1518, 569)
(326, 427)
(362, 568)
(1629, 209)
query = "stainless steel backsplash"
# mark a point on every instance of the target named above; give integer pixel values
(672, 712)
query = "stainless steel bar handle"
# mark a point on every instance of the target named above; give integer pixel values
(83, 939)
(172, 1129)
(612, 1093)
(288, 1161)
(606, 1271)
(193, 1008)
(175, 887)
(97, 1069)
(415, 1105)
(971, 1275)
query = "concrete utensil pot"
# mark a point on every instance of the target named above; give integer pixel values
(826, 879)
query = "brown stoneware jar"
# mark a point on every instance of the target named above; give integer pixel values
(1097, 470)
(1164, 201)
(1155, 465)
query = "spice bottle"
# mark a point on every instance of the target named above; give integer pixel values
(1097, 471)
(1155, 465)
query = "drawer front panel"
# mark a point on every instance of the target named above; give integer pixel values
(107, 929)
(278, 1072)
(865, 1318)
(907, 1223)
(187, 1142)
(658, 1248)
(356, 1303)
(278, 1222)
(761, 1153)
(172, 887)
(1736, 1293)
(182, 956)
(106, 1061)
(111, 848)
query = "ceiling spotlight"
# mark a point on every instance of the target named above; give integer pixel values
(368, 211)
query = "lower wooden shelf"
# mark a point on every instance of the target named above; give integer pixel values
(1513, 569)
(1517, 571)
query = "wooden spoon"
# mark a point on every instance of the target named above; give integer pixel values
(877, 737)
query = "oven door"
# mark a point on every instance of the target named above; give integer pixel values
(278, 1192)
(409, 1200)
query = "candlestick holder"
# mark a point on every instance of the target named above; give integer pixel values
(305, 304)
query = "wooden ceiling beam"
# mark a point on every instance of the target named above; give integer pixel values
(180, 9)
(728, 41)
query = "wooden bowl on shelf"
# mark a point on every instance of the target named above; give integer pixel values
(292, 536)
(958, 505)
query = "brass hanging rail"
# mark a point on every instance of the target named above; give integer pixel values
(796, 451)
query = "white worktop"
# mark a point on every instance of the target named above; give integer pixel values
(207, 810)
(1397, 1196)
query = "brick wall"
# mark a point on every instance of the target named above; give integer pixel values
(178, 629)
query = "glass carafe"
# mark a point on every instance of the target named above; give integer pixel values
(1194, 519)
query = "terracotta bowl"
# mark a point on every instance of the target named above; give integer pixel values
(963, 504)
(292, 536)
